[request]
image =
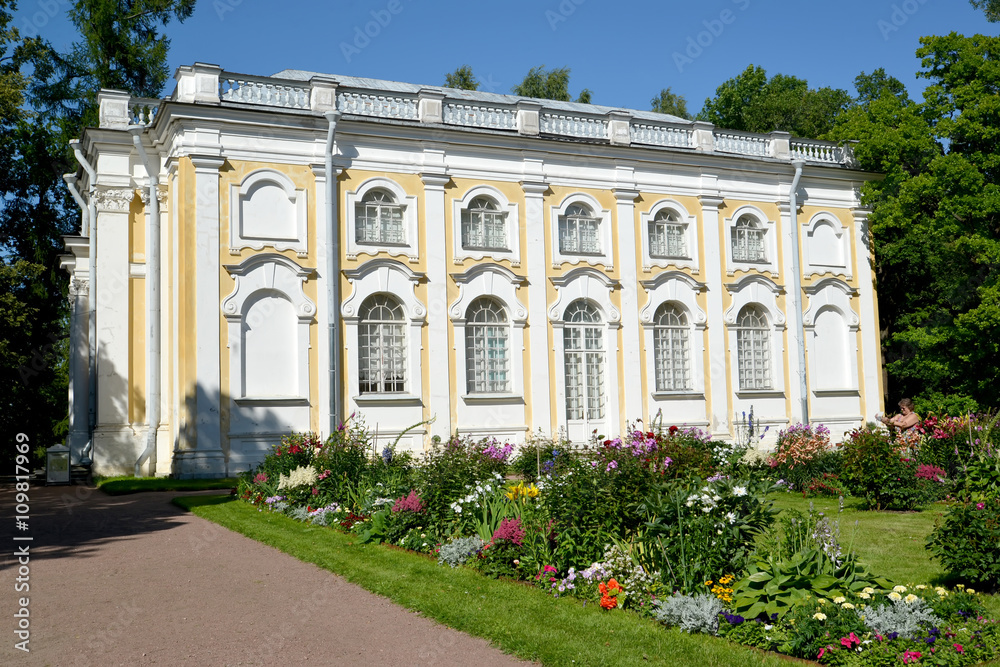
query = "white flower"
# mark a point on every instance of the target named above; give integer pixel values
(910, 599)
(819, 616)
(864, 596)
(899, 589)
(690, 502)
(731, 517)
(940, 591)
(920, 587)
(895, 596)
(739, 490)
(840, 599)
(706, 510)
(868, 589)
(847, 605)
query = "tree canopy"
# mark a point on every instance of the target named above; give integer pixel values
(462, 78)
(671, 103)
(549, 85)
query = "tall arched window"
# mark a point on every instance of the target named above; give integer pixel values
(579, 231)
(379, 219)
(487, 358)
(381, 346)
(583, 340)
(753, 348)
(483, 226)
(748, 241)
(671, 347)
(666, 235)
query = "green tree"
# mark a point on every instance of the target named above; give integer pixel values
(990, 7)
(462, 78)
(670, 103)
(549, 85)
(753, 103)
(935, 220)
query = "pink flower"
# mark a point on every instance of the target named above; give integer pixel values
(911, 656)
(958, 647)
(980, 506)
(850, 641)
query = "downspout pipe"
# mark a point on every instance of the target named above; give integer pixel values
(333, 272)
(71, 180)
(90, 231)
(152, 307)
(797, 290)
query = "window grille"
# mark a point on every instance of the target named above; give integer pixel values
(583, 340)
(753, 349)
(379, 219)
(666, 236)
(671, 356)
(748, 241)
(579, 231)
(483, 226)
(381, 346)
(486, 344)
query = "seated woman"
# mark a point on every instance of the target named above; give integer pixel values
(905, 420)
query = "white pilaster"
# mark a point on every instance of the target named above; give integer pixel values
(322, 309)
(439, 387)
(871, 356)
(627, 244)
(716, 381)
(76, 264)
(793, 314)
(538, 332)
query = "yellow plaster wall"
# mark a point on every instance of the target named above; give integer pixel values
(137, 315)
(186, 361)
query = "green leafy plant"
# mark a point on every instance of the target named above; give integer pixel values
(967, 542)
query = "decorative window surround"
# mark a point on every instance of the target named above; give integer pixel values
(409, 248)
(757, 290)
(385, 276)
(769, 228)
(501, 284)
(266, 209)
(681, 290)
(690, 237)
(836, 295)
(826, 246)
(595, 287)
(602, 258)
(512, 226)
(255, 277)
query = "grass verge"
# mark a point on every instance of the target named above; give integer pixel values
(520, 620)
(116, 486)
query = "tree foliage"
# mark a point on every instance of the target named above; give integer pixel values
(936, 220)
(549, 85)
(753, 103)
(990, 7)
(462, 78)
(670, 103)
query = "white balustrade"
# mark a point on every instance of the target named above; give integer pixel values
(814, 151)
(741, 144)
(478, 115)
(142, 111)
(573, 126)
(657, 134)
(264, 92)
(379, 106)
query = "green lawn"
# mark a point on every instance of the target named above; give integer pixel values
(519, 619)
(128, 484)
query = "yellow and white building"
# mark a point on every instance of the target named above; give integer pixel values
(268, 254)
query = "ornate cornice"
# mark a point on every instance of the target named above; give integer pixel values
(114, 200)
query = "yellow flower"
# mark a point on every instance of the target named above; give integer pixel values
(840, 599)
(910, 599)
(864, 596)
(960, 586)
(940, 591)
(821, 601)
(868, 589)
(708, 583)
(819, 616)
(847, 605)
(895, 596)
(920, 587)
(969, 590)
(899, 589)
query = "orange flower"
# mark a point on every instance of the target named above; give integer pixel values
(614, 588)
(608, 602)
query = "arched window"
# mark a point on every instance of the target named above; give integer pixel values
(666, 235)
(583, 344)
(381, 346)
(487, 343)
(671, 347)
(483, 226)
(379, 219)
(579, 231)
(753, 348)
(748, 241)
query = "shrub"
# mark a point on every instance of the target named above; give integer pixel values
(799, 444)
(459, 550)
(905, 618)
(967, 542)
(877, 470)
(691, 613)
(450, 467)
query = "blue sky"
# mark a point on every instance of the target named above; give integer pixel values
(624, 52)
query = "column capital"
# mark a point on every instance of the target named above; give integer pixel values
(207, 162)
(536, 188)
(625, 195)
(711, 202)
(435, 180)
(114, 200)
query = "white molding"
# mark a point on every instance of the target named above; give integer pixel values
(410, 248)
(842, 240)
(241, 193)
(584, 283)
(606, 257)
(539, 379)
(835, 295)
(681, 290)
(512, 227)
(690, 237)
(759, 291)
(770, 229)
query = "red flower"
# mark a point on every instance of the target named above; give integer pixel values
(673, 429)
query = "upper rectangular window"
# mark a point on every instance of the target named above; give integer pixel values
(379, 219)
(579, 231)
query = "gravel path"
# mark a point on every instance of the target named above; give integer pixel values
(133, 580)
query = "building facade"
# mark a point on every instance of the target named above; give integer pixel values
(270, 254)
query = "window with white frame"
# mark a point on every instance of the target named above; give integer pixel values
(487, 356)
(379, 219)
(579, 231)
(666, 235)
(484, 226)
(753, 349)
(583, 344)
(671, 349)
(748, 241)
(381, 346)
